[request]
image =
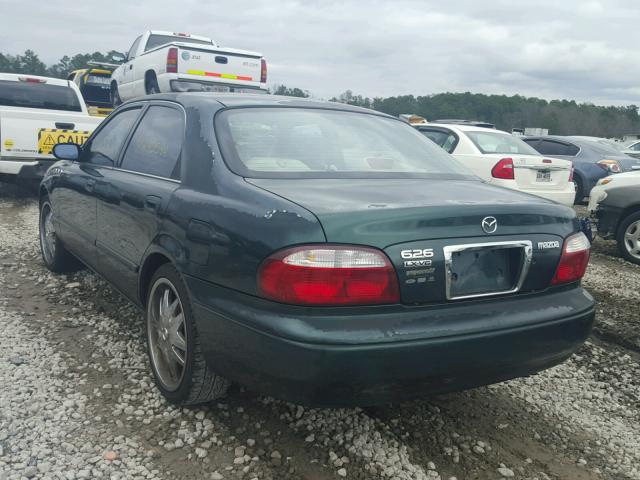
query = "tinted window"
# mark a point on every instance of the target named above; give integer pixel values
(319, 143)
(106, 145)
(38, 95)
(494, 142)
(156, 144)
(550, 147)
(158, 40)
(444, 139)
(635, 147)
(134, 47)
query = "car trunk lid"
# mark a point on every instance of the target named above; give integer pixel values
(415, 222)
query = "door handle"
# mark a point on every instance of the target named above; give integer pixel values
(131, 66)
(152, 202)
(89, 185)
(65, 126)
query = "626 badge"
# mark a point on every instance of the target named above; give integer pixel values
(419, 257)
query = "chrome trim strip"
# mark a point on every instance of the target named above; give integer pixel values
(449, 250)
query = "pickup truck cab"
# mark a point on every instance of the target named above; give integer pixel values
(159, 62)
(35, 114)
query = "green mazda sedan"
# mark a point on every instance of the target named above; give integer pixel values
(313, 251)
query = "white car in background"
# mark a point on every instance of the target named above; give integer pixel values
(599, 192)
(502, 159)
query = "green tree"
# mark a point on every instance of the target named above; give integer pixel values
(290, 92)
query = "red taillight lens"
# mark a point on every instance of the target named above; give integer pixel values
(326, 275)
(263, 71)
(503, 169)
(571, 174)
(172, 60)
(574, 259)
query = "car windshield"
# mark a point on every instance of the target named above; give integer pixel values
(320, 143)
(495, 142)
(32, 94)
(158, 40)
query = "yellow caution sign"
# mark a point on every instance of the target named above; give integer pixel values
(48, 137)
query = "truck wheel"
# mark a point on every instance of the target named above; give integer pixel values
(152, 86)
(56, 257)
(628, 238)
(179, 369)
(115, 95)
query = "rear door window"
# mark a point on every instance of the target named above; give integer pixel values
(155, 146)
(105, 146)
(35, 94)
(446, 139)
(551, 147)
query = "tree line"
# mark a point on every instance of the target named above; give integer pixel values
(561, 117)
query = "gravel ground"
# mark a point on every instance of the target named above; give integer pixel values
(77, 400)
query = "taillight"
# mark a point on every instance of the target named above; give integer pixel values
(503, 169)
(574, 259)
(571, 174)
(32, 80)
(172, 60)
(263, 71)
(326, 275)
(610, 166)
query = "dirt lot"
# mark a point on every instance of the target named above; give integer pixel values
(77, 401)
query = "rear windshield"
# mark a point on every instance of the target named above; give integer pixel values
(99, 79)
(494, 142)
(38, 95)
(157, 40)
(319, 143)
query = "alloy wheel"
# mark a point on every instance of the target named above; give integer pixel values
(167, 335)
(47, 233)
(632, 239)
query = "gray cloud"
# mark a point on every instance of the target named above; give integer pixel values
(585, 50)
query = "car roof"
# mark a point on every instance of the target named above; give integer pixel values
(15, 77)
(255, 100)
(464, 128)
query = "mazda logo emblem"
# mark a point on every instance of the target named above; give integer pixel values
(489, 224)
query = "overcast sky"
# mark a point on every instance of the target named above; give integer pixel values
(578, 49)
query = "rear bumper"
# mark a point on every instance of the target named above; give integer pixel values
(565, 197)
(24, 169)
(367, 358)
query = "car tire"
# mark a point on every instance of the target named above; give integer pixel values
(179, 369)
(577, 182)
(54, 254)
(152, 86)
(628, 238)
(115, 95)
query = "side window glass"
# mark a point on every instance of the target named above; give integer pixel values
(548, 147)
(441, 138)
(105, 147)
(156, 144)
(132, 51)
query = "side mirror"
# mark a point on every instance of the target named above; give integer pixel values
(118, 57)
(66, 151)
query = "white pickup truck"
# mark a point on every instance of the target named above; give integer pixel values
(178, 62)
(35, 114)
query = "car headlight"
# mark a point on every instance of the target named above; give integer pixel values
(605, 181)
